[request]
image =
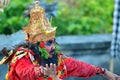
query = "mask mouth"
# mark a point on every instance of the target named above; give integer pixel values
(52, 51)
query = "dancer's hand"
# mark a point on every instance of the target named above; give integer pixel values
(51, 71)
(111, 76)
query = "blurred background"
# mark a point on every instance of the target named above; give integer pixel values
(84, 29)
(73, 16)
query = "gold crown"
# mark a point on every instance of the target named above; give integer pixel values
(39, 28)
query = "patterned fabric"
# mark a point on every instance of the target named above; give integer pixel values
(115, 44)
(22, 67)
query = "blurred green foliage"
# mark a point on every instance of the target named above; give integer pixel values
(12, 19)
(84, 17)
(74, 17)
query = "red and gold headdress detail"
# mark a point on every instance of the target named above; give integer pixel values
(39, 28)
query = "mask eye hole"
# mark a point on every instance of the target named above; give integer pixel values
(49, 43)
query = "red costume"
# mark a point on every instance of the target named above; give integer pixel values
(22, 67)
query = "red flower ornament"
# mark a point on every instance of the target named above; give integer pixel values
(42, 44)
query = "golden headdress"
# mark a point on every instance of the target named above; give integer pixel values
(39, 28)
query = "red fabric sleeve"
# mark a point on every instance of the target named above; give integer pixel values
(23, 70)
(79, 69)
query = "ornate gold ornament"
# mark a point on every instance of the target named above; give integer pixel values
(7, 57)
(39, 28)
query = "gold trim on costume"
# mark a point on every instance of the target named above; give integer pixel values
(6, 58)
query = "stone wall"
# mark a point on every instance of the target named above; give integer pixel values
(85, 44)
(78, 44)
